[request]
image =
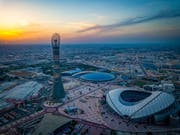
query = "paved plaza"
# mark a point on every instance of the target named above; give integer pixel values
(87, 98)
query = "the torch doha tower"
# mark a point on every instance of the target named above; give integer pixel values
(58, 89)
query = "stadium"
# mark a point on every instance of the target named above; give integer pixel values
(140, 105)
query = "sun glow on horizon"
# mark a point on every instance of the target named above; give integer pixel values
(77, 22)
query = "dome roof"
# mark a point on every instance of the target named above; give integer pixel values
(136, 103)
(95, 76)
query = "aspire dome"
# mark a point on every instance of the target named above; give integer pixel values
(95, 76)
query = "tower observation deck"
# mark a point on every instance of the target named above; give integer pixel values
(58, 89)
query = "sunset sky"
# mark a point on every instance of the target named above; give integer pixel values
(89, 21)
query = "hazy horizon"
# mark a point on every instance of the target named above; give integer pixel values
(116, 21)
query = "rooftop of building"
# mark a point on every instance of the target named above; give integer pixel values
(50, 123)
(71, 72)
(22, 91)
(95, 76)
(136, 103)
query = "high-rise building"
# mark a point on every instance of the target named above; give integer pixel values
(58, 89)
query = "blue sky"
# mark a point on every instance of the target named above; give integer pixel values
(95, 21)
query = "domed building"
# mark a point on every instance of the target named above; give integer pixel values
(95, 76)
(136, 104)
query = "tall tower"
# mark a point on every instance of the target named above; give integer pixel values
(58, 89)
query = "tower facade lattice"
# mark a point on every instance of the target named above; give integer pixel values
(58, 89)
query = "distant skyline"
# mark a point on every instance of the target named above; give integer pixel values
(95, 21)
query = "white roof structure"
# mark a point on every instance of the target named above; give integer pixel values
(4, 104)
(81, 73)
(23, 91)
(71, 72)
(136, 103)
